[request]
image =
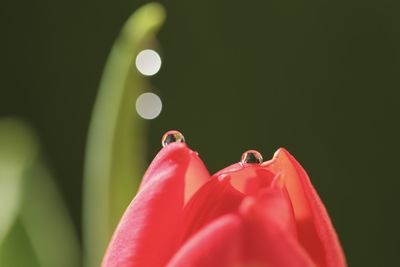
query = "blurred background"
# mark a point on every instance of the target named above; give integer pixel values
(320, 78)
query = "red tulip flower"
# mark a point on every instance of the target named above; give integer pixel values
(251, 213)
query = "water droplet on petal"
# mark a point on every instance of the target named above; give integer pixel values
(172, 137)
(251, 157)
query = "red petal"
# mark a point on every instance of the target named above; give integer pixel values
(248, 178)
(224, 193)
(219, 244)
(196, 175)
(270, 240)
(315, 229)
(254, 239)
(273, 206)
(146, 234)
(214, 199)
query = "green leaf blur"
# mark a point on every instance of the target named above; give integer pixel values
(114, 159)
(33, 216)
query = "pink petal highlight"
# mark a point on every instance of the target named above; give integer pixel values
(149, 223)
(315, 229)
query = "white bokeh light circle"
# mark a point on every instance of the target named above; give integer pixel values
(148, 62)
(148, 106)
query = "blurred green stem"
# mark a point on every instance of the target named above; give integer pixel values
(35, 227)
(115, 144)
(18, 150)
(46, 221)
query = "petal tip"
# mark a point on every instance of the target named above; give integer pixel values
(280, 151)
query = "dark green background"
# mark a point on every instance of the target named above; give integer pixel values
(320, 78)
